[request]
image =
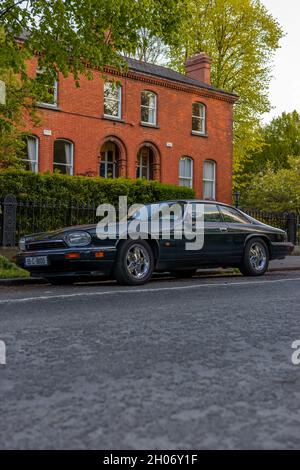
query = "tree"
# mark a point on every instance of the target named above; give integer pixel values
(281, 138)
(12, 129)
(150, 48)
(69, 35)
(241, 37)
(276, 191)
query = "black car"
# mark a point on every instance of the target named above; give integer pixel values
(231, 239)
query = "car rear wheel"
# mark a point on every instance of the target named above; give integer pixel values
(256, 258)
(134, 264)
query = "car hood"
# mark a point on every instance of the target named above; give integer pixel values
(92, 229)
(59, 234)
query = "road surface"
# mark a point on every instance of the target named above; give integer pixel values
(194, 364)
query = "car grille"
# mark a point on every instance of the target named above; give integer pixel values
(45, 245)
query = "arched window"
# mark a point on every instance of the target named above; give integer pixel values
(198, 118)
(31, 153)
(144, 167)
(63, 156)
(109, 160)
(148, 108)
(186, 172)
(209, 180)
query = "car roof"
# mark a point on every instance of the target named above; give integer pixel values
(188, 201)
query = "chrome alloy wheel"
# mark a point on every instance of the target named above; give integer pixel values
(137, 261)
(258, 256)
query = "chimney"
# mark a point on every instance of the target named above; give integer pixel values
(198, 67)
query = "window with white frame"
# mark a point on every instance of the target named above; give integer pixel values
(148, 107)
(145, 163)
(112, 100)
(63, 156)
(186, 172)
(109, 160)
(209, 180)
(49, 91)
(198, 118)
(31, 154)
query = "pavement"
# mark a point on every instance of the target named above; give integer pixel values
(204, 363)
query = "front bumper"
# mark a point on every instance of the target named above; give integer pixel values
(58, 265)
(281, 250)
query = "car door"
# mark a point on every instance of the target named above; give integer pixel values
(214, 247)
(171, 242)
(238, 227)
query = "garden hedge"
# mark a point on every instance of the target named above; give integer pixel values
(56, 188)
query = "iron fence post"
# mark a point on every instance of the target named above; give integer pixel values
(292, 227)
(9, 227)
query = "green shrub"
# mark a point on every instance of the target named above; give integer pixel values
(61, 201)
(52, 188)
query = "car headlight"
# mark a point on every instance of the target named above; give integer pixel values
(78, 239)
(22, 244)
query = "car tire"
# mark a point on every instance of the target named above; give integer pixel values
(184, 274)
(256, 258)
(62, 281)
(134, 264)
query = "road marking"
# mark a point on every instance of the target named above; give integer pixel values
(144, 290)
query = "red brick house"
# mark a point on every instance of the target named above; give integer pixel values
(155, 123)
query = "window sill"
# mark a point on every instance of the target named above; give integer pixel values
(114, 119)
(199, 134)
(48, 106)
(152, 126)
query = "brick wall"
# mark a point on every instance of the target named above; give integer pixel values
(79, 118)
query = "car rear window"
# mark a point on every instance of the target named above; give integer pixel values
(231, 215)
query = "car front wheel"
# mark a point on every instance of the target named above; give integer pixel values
(134, 263)
(256, 258)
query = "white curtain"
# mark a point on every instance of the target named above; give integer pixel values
(32, 153)
(68, 156)
(209, 180)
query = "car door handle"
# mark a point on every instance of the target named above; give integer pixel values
(223, 229)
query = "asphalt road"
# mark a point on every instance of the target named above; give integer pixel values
(203, 364)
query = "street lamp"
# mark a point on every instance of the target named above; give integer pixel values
(237, 196)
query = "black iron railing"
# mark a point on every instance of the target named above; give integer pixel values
(25, 217)
(288, 221)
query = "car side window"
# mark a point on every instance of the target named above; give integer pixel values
(233, 216)
(211, 213)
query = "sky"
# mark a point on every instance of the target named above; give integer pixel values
(285, 84)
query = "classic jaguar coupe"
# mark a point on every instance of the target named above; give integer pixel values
(230, 239)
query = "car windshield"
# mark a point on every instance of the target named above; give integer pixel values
(159, 211)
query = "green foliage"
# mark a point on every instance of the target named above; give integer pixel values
(275, 191)
(64, 189)
(66, 32)
(281, 138)
(9, 270)
(241, 38)
(68, 35)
